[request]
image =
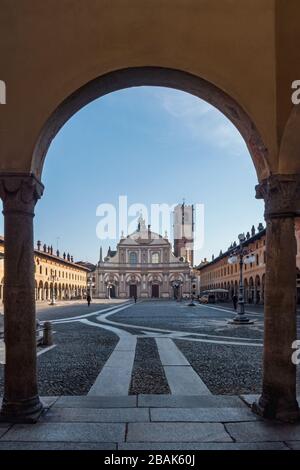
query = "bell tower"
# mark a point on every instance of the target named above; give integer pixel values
(183, 224)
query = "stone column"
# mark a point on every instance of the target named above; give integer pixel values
(282, 203)
(19, 194)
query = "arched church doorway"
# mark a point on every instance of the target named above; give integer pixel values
(132, 290)
(155, 291)
(112, 291)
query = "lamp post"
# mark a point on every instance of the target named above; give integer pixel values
(191, 304)
(238, 256)
(52, 278)
(90, 286)
(176, 285)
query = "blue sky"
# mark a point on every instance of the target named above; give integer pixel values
(155, 145)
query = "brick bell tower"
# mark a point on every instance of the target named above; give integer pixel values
(183, 224)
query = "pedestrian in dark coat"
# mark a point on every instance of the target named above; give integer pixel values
(234, 301)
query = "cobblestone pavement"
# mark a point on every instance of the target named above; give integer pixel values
(156, 354)
(148, 375)
(74, 364)
(79, 354)
(227, 358)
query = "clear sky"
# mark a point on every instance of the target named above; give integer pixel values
(154, 145)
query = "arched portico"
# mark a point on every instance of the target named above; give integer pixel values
(257, 292)
(251, 291)
(20, 192)
(41, 291)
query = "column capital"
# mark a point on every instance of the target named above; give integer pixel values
(281, 194)
(20, 192)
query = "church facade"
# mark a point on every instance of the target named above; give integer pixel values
(142, 266)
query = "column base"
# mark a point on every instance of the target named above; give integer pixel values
(241, 320)
(280, 409)
(21, 411)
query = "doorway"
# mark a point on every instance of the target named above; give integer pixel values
(155, 291)
(132, 290)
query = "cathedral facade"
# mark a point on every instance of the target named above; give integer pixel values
(142, 266)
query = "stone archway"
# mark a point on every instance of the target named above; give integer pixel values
(281, 193)
(153, 76)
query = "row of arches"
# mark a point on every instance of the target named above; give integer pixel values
(254, 288)
(46, 291)
(146, 285)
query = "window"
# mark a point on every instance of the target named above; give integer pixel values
(155, 258)
(133, 258)
(257, 260)
(41, 270)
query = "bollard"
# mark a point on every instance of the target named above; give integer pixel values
(47, 334)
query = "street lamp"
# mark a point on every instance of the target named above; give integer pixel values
(52, 279)
(191, 304)
(176, 285)
(241, 255)
(90, 286)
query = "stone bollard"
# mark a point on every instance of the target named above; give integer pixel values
(47, 334)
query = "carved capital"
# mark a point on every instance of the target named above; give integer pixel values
(281, 194)
(19, 192)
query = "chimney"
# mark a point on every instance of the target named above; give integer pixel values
(39, 244)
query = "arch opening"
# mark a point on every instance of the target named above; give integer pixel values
(160, 77)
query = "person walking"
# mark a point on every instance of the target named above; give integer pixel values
(235, 301)
(88, 299)
(135, 298)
